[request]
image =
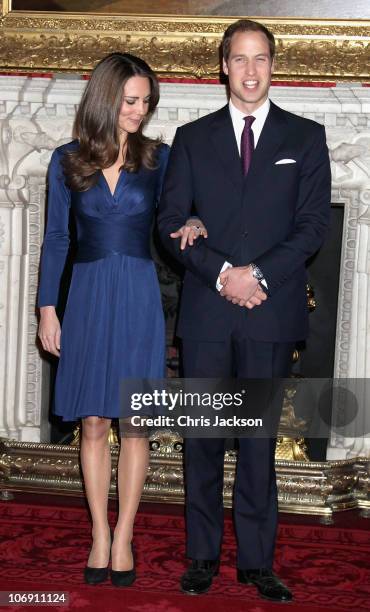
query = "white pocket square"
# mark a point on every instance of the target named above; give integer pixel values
(285, 161)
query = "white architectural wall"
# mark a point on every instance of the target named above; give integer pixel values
(36, 115)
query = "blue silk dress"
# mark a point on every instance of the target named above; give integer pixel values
(113, 327)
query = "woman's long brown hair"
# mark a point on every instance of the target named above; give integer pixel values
(96, 124)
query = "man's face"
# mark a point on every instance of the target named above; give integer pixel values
(249, 68)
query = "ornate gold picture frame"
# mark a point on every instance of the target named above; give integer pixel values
(185, 47)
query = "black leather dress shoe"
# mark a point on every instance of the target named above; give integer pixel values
(198, 577)
(269, 586)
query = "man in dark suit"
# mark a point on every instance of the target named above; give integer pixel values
(259, 178)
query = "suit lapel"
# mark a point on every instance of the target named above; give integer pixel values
(271, 138)
(223, 140)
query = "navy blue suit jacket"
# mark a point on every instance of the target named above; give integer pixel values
(276, 217)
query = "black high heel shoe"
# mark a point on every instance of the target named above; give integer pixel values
(124, 578)
(96, 575)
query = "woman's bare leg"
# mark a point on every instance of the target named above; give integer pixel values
(96, 467)
(132, 471)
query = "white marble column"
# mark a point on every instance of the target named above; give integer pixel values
(32, 124)
(37, 115)
(350, 155)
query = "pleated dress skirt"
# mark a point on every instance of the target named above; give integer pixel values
(113, 329)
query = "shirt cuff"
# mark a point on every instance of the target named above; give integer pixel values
(226, 266)
(264, 283)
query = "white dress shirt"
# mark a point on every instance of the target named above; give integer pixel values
(237, 118)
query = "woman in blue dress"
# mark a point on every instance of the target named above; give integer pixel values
(110, 177)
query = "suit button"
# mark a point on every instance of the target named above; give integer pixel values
(245, 234)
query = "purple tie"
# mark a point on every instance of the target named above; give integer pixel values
(247, 144)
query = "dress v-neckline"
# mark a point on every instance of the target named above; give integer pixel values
(116, 185)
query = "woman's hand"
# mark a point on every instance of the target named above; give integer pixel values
(49, 330)
(189, 232)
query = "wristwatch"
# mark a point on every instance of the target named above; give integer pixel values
(257, 272)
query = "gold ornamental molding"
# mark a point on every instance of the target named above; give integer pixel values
(185, 47)
(313, 488)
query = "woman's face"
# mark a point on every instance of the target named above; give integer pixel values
(135, 104)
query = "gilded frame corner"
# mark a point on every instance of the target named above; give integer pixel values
(178, 47)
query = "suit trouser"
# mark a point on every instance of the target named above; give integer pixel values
(255, 492)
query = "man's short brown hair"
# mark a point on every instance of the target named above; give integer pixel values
(246, 25)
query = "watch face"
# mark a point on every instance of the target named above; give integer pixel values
(257, 273)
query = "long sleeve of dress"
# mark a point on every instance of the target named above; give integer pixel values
(164, 152)
(56, 241)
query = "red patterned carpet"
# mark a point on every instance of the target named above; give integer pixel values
(45, 547)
